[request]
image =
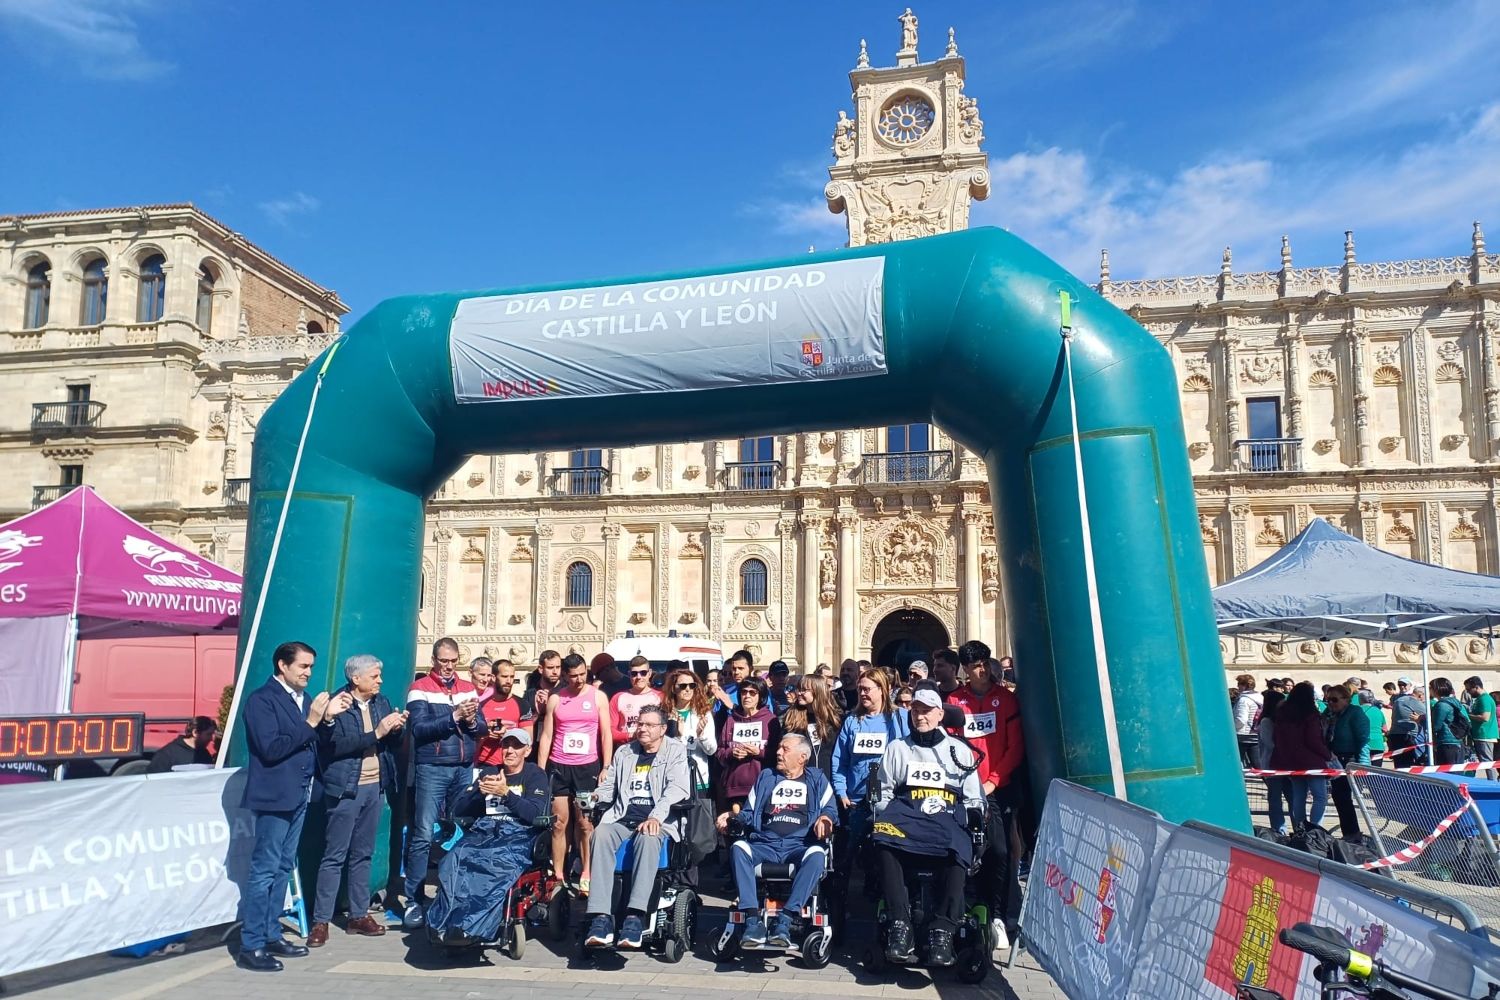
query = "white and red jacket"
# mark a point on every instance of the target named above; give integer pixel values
(435, 737)
(992, 723)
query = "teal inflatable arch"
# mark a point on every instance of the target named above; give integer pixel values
(961, 329)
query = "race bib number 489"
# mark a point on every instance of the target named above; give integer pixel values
(868, 743)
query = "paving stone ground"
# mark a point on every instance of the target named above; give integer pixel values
(401, 965)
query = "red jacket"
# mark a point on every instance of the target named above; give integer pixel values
(515, 710)
(993, 725)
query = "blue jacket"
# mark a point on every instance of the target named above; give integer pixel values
(756, 813)
(853, 758)
(530, 795)
(435, 737)
(342, 747)
(283, 750)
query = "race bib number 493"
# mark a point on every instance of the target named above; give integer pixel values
(926, 776)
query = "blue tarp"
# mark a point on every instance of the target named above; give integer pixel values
(1325, 584)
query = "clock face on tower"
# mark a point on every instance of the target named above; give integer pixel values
(905, 119)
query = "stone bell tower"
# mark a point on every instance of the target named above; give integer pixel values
(908, 162)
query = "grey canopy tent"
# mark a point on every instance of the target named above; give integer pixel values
(1325, 584)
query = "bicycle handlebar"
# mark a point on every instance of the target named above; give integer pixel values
(1327, 946)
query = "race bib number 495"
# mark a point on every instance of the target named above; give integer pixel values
(789, 793)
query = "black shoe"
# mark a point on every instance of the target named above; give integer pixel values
(898, 943)
(285, 949)
(940, 948)
(257, 961)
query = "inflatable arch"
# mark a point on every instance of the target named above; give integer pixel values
(961, 329)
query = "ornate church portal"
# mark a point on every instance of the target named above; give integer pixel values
(905, 635)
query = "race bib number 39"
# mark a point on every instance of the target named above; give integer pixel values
(575, 743)
(981, 724)
(926, 776)
(868, 743)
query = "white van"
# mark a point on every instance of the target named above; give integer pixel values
(702, 655)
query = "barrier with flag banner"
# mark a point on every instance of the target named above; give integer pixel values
(98, 864)
(1123, 904)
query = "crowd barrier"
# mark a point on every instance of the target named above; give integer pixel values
(1123, 904)
(98, 864)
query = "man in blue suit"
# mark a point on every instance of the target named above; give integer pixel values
(281, 730)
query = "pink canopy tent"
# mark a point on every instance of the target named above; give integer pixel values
(78, 566)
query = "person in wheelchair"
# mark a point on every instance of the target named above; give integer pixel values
(502, 807)
(646, 778)
(928, 803)
(787, 816)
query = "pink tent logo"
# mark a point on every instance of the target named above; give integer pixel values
(11, 544)
(150, 556)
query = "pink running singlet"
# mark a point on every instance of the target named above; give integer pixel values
(575, 733)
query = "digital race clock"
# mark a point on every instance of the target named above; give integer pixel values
(70, 737)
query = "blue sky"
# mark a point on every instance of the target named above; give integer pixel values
(392, 148)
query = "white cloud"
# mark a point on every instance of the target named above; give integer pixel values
(1419, 196)
(807, 218)
(283, 211)
(99, 37)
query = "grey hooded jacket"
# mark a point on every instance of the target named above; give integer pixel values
(670, 782)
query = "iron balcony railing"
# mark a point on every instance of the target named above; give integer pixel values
(65, 418)
(1268, 455)
(752, 475)
(582, 481)
(236, 492)
(43, 495)
(907, 467)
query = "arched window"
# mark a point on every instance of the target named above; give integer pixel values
(38, 295)
(95, 292)
(752, 582)
(205, 310)
(314, 327)
(153, 298)
(580, 585)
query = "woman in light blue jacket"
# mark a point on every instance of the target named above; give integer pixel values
(875, 723)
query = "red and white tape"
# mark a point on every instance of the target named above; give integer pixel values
(1415, 850)
(1468, 765)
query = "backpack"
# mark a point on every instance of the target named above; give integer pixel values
(1314, 840)
(1459, 724)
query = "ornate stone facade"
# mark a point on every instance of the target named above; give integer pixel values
(139, 348)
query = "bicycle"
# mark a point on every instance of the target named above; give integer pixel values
(1344, 972)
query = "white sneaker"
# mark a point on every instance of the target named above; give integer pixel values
(997, 930)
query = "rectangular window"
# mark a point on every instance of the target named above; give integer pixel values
(901, 439)
(585, 472)
(72, 475)
(1264, 417)
(757, 469)
(78, 405)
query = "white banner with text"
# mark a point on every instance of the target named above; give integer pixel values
(92, 865)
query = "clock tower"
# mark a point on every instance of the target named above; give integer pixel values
(908, 162)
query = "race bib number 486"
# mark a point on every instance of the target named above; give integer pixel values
(748, 733)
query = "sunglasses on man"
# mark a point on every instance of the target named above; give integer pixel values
(640, 673)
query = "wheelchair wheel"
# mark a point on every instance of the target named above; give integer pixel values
(816, 948)
(559, 912)
(726, 946)
(679, 930)
(516, 946)
(973, 965)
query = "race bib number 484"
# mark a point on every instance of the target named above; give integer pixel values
(981, 724)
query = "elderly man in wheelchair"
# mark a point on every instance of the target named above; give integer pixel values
(504, 810)
(636, 829)
(782, 834)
